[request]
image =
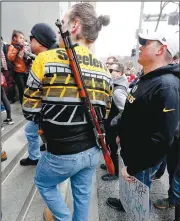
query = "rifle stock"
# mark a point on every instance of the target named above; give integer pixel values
(99, 134)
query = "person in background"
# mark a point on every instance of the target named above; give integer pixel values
(27, 45)
(171, 161)
(42, 39)
(7, 70)
(162, 168)
(28, 55)
(16, 56)
(176, 179)
(110, 60)
(4, 98)
(2, 109)
(7, 106)
(130, 75)
(120, 86)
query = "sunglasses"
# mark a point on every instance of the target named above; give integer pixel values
(107, 63)
(31, 37)
(111, 70)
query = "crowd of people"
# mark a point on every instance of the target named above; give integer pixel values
(144, 105)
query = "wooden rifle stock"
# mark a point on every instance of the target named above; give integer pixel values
(99, 134)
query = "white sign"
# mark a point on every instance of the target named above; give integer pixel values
(134, 197)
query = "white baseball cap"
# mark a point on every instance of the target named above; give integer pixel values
(171, 41)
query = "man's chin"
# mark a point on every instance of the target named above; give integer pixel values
(139, 61)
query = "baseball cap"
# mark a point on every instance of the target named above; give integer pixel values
(44, 34)
(171, 41)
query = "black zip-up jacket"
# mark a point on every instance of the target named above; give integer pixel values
(150, 118)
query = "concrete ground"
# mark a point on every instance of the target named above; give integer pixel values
(111, 189)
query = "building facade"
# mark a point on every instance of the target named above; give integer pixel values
(23, 15)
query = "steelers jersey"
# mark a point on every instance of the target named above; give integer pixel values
(52, 90)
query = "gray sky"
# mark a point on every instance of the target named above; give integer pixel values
(118, 38)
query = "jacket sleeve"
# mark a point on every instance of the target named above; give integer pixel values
(32, 100)
(166, 101)
(12, 53)
(119, 98)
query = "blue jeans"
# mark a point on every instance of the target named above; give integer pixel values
(32, 136)
(2, 107)
(54, 169)
(147, 176)
(176, 185)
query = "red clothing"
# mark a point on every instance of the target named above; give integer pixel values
(131, 78)
(16, 56)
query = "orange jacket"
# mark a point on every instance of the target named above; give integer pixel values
(17, 60)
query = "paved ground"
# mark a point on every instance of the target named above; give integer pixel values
(111, 189)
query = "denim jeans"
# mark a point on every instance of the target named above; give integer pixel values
(146, 176)
(176, 185)
(2, 107)
(32, 136)
(172, 162)
(54, 169)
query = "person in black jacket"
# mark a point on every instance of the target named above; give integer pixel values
(176, 179)
(172, 161)
(151, 112)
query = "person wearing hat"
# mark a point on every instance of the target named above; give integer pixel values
(151, 112)
(176, 179)
(172, 161)
(42, 39)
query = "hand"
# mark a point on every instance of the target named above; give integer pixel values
(126, 176)
(19, 46)
(118, 140)
(21, 54)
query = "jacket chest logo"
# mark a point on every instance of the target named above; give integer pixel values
(130, 98)
(134, 88)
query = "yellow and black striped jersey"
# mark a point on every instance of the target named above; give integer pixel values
(52, 90)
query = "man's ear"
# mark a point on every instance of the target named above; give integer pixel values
(75, 25)
(161, 50)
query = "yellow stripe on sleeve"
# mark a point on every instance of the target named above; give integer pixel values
(53, 79)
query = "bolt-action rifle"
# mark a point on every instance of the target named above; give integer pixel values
(90, 111)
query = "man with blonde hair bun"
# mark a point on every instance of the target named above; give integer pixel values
(72, 151)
